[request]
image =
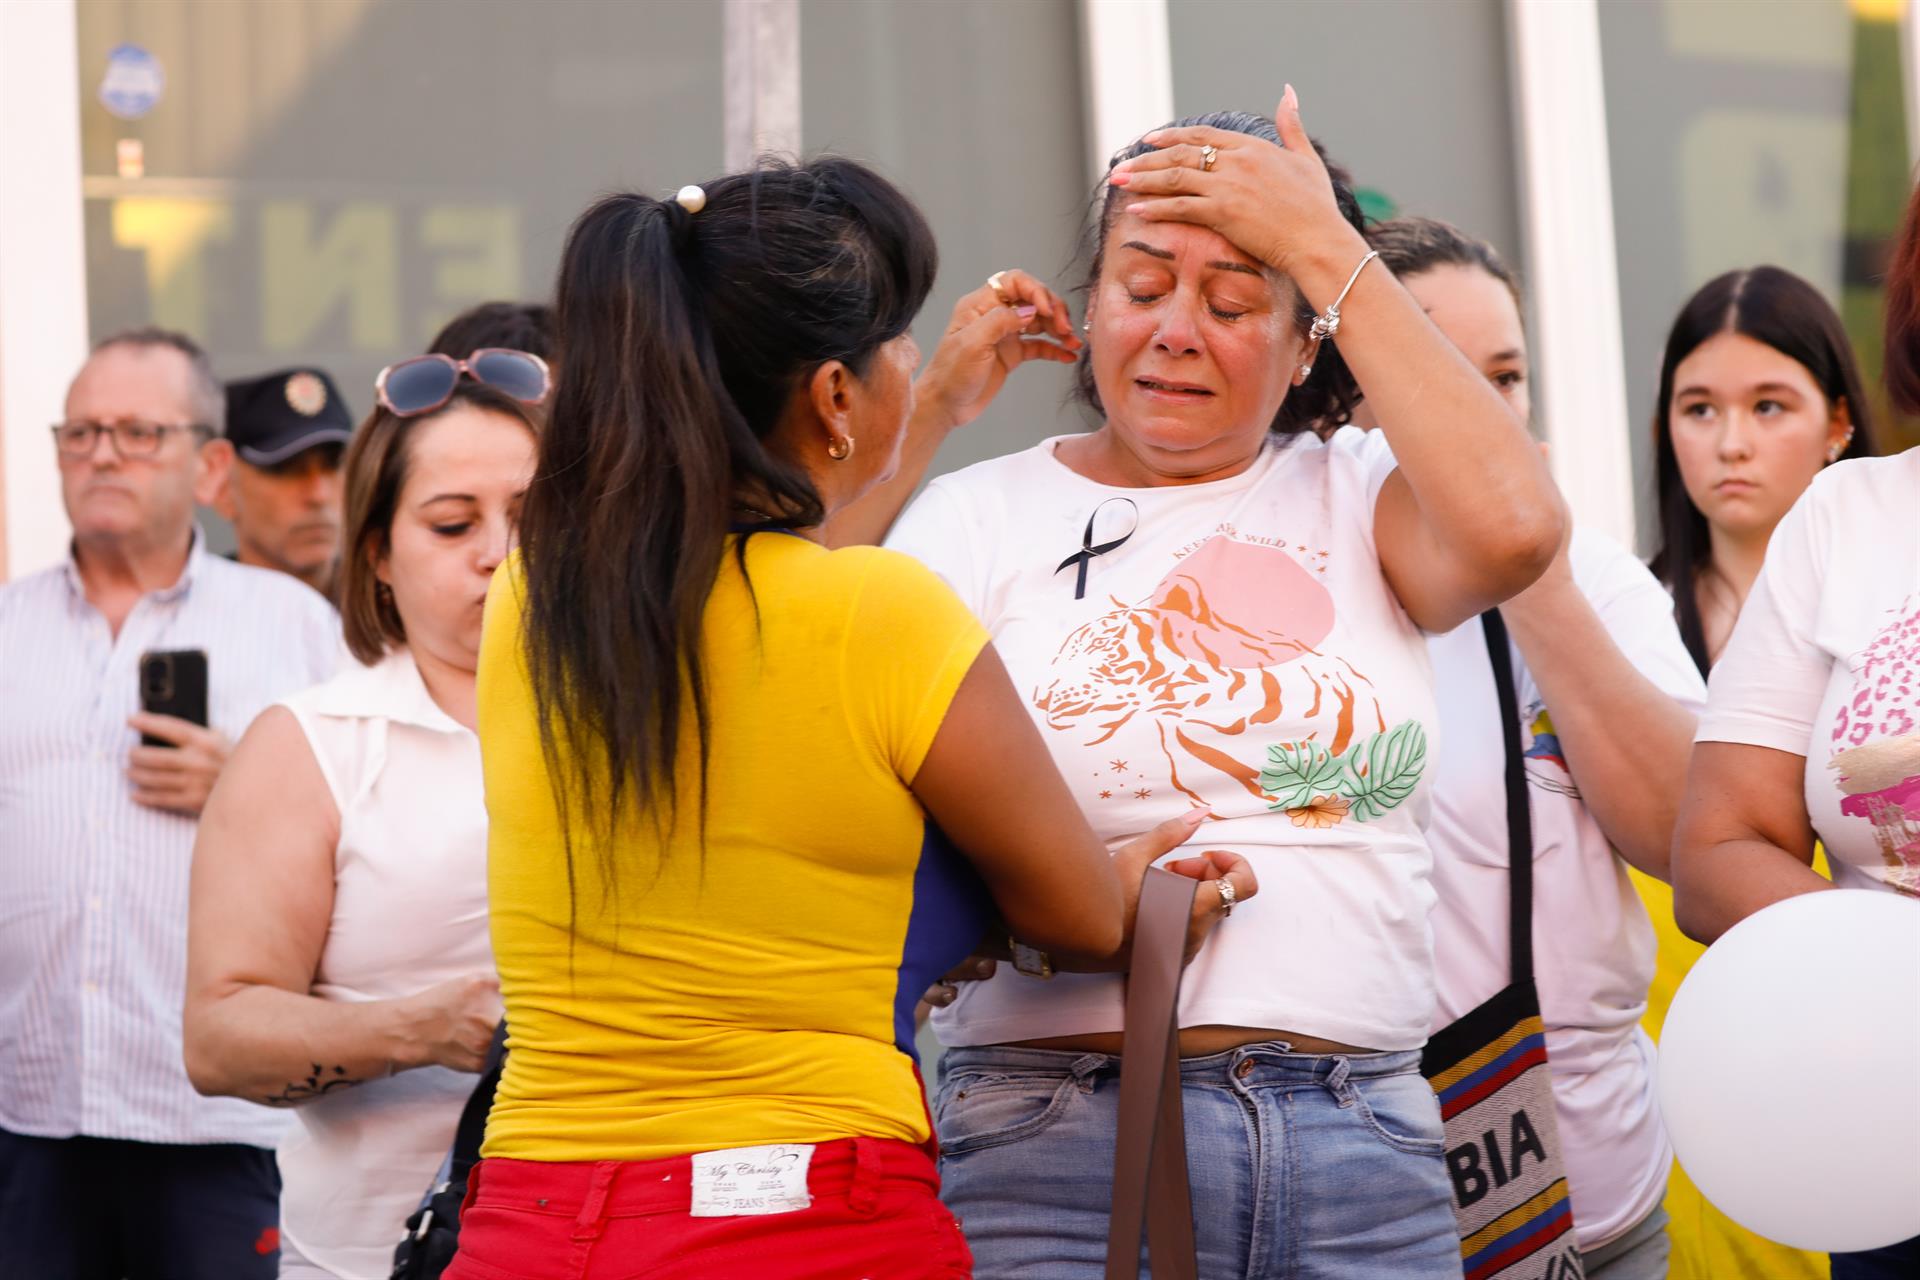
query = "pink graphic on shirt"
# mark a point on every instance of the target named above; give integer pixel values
(1241, 605)
(1221, 646)
(1876, 746)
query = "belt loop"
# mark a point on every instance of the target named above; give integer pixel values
(593, 1212)
(1337, 1083)
(863, 1193)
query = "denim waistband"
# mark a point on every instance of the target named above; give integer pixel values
(1267, 1062)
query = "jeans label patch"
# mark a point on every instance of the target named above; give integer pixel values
(749, 1181)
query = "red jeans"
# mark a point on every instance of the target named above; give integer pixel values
(876, 1213)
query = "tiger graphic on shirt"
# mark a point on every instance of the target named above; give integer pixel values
(1225, 644)
(1876, 746)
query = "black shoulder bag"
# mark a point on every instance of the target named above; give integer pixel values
(433, 1231)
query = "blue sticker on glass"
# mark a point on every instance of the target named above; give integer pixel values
(133, 83)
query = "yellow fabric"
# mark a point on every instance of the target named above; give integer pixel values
(1707, 1244)
(746, 992)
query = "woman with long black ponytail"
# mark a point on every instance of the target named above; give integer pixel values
(715, 755)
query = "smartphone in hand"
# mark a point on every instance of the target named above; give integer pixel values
(173, 682)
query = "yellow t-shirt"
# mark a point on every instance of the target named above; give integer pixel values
(760, 989)
(1707, 1244)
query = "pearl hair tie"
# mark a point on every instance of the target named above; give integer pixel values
(691, 198)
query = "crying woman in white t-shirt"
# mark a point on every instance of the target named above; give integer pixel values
(1207, 604)
(1607, 698)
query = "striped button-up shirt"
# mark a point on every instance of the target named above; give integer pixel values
(93, 887)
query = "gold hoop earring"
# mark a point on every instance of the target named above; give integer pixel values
(840, 448)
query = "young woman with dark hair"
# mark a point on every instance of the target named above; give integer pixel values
(1606, 697)
(1758, 391)
(337, 958)
(1812, 730)
(1207, 603)
(716, 753)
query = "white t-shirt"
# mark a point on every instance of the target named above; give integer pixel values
(409, 911)
(1825, 663)
(1593, 945)
(1241, 649)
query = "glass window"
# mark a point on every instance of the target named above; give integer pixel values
(975, 110)
(327, 181)
(1412, 96)
(1737, 140)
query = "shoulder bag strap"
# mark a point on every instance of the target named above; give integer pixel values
(472, 1130)
(1150, 1148)
(1519, 812)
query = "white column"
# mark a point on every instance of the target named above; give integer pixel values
(1128, 73)
(762, 84)
(1572, 266)
(43, 276)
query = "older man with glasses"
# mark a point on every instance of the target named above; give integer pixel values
(110, 1165)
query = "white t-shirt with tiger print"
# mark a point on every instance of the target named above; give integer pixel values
(1241, 649)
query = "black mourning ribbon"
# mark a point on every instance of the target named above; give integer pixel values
(1088, 549)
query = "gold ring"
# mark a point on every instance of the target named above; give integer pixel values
(998, 283)
(1208, 154)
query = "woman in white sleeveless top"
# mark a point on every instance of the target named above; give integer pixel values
(338, 949)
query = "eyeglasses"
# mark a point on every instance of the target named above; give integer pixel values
(131, 439)
(424, 383)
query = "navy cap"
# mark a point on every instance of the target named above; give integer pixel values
(275, 416)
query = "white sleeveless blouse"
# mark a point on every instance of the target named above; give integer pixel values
(409, 911)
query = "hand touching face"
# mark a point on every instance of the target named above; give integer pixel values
(1194, 346)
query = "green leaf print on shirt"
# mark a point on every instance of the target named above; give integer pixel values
(1383, 770)
(1374, 775)
(1297, 771)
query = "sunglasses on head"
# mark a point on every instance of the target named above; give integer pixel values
(422, 384)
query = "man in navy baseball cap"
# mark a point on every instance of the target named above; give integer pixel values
(289, 430)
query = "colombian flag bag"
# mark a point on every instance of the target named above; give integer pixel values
(1489, 1069)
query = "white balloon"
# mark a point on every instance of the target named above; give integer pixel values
(1790, 1071)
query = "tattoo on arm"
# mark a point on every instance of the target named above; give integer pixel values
(321, 1082)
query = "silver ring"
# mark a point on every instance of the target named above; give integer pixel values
(1208, 154)
(1228, 895)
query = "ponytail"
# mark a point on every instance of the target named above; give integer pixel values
(681, 339)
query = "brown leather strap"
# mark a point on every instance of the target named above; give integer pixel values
(1150, 1148)
(1169, 1200)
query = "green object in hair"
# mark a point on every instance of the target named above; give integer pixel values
(1377, 206)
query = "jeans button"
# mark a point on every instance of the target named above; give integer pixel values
(1244, 1070)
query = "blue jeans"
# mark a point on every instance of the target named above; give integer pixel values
(1303, 1166)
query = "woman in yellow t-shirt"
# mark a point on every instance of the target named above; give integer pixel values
(716, 751)
(1759, 391)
